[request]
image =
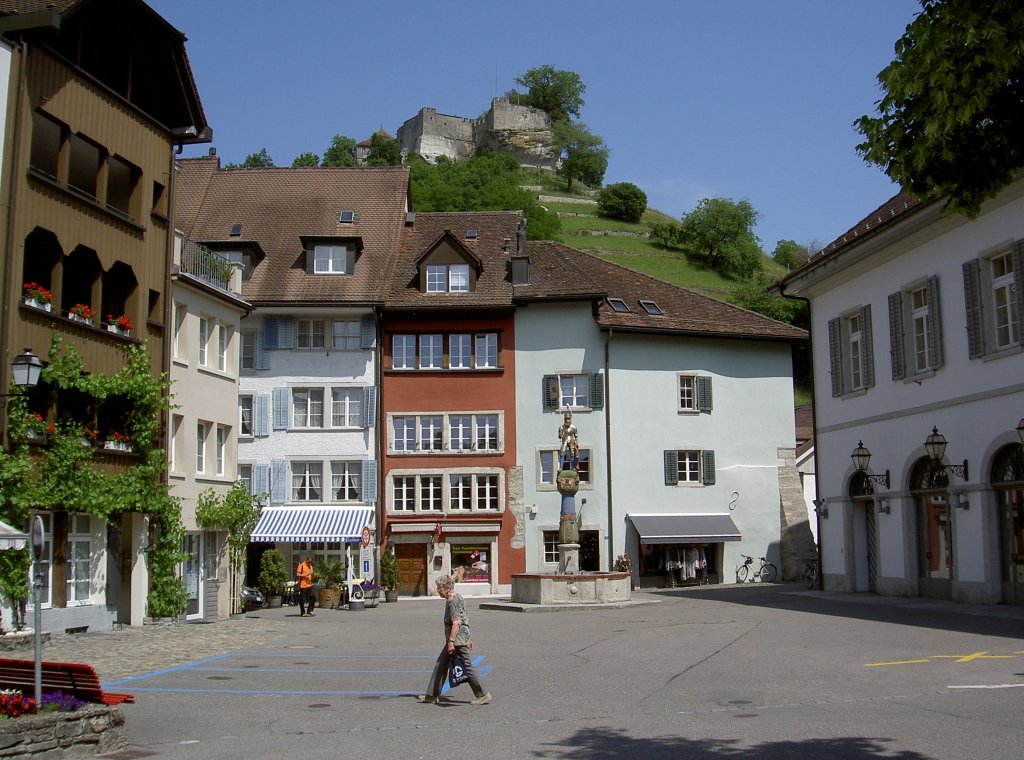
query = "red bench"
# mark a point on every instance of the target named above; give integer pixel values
(71, 678)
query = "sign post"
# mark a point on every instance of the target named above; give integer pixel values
(37, 554)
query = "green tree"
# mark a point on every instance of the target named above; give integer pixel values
(753, 294)
(665, 234)
(261, 160)
(721, 232)
(622, 200)
(952, 112)
(790, 254)
(584, 154)
(306, 159)
(237, 512)
(341, 153)
(384, 151)
(560, 93)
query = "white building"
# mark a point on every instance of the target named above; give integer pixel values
(915, 334)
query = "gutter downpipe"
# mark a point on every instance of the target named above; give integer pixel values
(814, 427)
(608, 448)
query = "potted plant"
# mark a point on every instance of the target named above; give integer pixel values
(329, 575)
(81, 312)
(118, 441)
(36, 295)
(389, 576)
(121, 325)
(272, 576)
(37, 429)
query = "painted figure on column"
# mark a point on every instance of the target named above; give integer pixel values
(568, 481)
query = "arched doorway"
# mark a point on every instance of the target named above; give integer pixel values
(929, 486)
(1008, 482)
(865, 534)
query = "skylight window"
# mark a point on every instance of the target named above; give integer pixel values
(236, 230)
(652, 308)
(618, 305)
(471, 234)
(346, 217)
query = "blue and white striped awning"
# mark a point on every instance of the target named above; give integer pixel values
(288, 524)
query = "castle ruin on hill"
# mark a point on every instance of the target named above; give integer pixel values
(522, 131)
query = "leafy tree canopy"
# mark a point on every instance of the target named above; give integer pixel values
(261, 160)
(487, 182)
(721, 232)
(622, 200)
(341, 153)
(305, 160)
(753, 294)
(560, 93)
(584, 154)
(952, 111)
(384, 151)
(790, 254)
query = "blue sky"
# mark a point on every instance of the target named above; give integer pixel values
(741, 99)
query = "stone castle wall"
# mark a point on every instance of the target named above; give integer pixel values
(521, 130)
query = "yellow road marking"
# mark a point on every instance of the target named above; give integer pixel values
(974, 656)
(898, 662)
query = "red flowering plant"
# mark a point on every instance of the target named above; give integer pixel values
(36, 292)
(83, 310)
(122, 322)
(89, 434)
(36, 423)
(14, 704)
(120, 437)
(623, 564)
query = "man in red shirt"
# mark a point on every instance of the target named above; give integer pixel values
(307, 599)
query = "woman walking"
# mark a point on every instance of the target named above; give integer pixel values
(457, 640)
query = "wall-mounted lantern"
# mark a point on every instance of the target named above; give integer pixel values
(935, 445)
(861, 456)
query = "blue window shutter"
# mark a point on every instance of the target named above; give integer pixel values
(935, 322)
(972, 302)
(261, 481)
(835, 355)
(367, 331)
(867, 348)
(708, 466)
(286, 332)
(262, 354)
(705, 402)
(278, 481)
(550, 393)
(271, 333)
(597, 391)
(261, 416)
(671, 468)
(282, 408)
(369, 406)
(370, 480)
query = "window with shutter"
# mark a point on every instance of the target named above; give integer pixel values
(597, 391)
(704, 398)
(896, 335)
(851, 355)
(550, 393)
(261, 481)
(278, 481)
(671, 468)
(369, 480)
(282, 408)
(262, 354)
(708, 467)
(915, 329)
(261, 416)
(369, 406)
(367, 332)
(994, 301)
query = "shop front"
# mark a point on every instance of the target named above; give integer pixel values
(468, 551)
(680, 549)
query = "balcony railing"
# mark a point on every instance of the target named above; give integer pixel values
(202, 263)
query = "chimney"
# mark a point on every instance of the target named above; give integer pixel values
(521, 248)
(213, 152)
(520, 262)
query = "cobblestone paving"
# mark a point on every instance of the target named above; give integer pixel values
(136, 650)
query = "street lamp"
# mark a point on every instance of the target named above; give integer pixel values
(1020, 431)
(935, 445)
(861, 456)
(27, 368)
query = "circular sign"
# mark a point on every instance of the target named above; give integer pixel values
(366, 535)
(37, 537)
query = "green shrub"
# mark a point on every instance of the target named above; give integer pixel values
(622, 200)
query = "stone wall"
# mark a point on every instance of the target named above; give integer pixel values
(85, 732)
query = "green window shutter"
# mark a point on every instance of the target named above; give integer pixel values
(597, 391)
(671, 467)
(369, 406)
(867, 348)
(278, 481)
(367, 332)
(973, 305)
(899, 363)
(935, 323)
(549, 392)
(262, 354)
(369, 480)
(835, 355)
(261, 417)
(282, 408)
(704, 398)
(708, 466)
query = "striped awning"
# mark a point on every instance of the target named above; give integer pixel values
(311, 523)
(11, 538)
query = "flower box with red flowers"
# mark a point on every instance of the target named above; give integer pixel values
(82, 312)
(37, 296)
(121, 325)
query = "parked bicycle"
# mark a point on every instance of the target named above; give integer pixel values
(766, 573)
(810, 573)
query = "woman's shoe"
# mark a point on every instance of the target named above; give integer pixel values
(482, 700)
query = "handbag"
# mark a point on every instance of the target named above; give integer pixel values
(457, 670)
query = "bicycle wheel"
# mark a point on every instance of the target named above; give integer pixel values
(811, 576)
(769, 572)
(741, 573)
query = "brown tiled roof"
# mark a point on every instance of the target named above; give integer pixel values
(493, 287)
(803, 418)
(556, 268)
(277, 207)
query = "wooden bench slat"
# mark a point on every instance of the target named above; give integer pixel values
(73, 678)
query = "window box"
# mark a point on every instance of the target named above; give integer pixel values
(37, 304)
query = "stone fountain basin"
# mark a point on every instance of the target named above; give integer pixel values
(579, 588)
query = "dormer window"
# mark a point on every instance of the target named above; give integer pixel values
(332, 259)
(447, 278)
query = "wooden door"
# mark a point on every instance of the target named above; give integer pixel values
(412, 569)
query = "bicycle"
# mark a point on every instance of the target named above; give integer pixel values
(810, 573)
(766, 573)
